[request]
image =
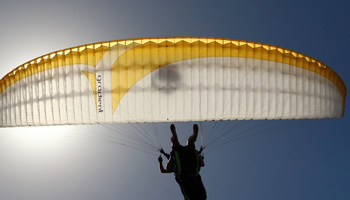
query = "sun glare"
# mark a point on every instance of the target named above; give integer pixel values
(43, 137)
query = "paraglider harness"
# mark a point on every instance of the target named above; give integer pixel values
(186, 161)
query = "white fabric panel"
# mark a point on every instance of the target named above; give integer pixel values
(17, 102)
(226, 77)
(23, 102)
(11, 113)
(264, 88)
(76, 96)
(62, 95)
(84, 95)
(35, 99)
(69, 87)
(55, 96)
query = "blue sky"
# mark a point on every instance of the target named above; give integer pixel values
(303, 160)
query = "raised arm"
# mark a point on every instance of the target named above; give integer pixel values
(174, 139)
(168, 168)
(192, 139)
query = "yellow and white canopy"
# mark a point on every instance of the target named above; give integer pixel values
(169, 79)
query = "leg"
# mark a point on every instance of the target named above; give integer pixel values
(192, 139)
(174, 139)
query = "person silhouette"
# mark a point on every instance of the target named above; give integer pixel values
(185, 162)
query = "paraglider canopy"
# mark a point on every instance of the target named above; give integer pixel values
(169, 79)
